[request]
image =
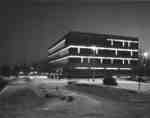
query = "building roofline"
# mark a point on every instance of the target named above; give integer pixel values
(94, 34)
(104, 34)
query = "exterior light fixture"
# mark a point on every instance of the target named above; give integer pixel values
(145, 54)
(93, 48)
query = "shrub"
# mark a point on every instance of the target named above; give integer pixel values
(71, 82)
(110, 81)
(49, 95)
(3, 83)
(5, 70)
(63, 97)
(69, 98)
(140, 79)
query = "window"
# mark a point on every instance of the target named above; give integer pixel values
(135, 54)
(85, 60)
(73, 51)
(106, 61)
(134, 45)
(117, 61)
(108, 43)
(124, 53)
(85, 51)
(94, 61)
(126, 45)
(117, 44)
(133, 62)
(75, 60)
(125, 62)
(107, 53)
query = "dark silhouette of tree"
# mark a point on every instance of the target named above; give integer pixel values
(3, 83)
(5, 70)
(139, 70)
(25, 69)
(108, 79)
(16, 70)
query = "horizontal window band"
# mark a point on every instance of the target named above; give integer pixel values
(91, 47)
(101, 48)
(119, 40)
(93, 57)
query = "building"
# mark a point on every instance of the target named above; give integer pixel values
(86, 55)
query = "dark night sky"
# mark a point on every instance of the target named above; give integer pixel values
(27, 30)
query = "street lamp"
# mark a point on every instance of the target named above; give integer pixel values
(144, 59)
(145, 54)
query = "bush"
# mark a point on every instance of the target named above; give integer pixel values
(69, 98)
(110, 81)
(48, 95)
(140, 79)
(5, 70)
(3, 83)
(63, 97)
(71, 82)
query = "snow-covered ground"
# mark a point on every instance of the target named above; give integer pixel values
(21, 104)
(124, 84)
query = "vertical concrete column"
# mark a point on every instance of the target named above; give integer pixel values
(112, 60)
(101, 60)
(78, 50)
(88, 60)
(96, 51)
(131, 53)
(116, 52)
(112, 42)
(123, 61)
(81, 59)
(129, 43)
(123, 43)
(129, 61)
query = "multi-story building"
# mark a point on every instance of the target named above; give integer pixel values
(84, 55)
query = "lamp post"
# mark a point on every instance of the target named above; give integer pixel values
(144, 61)
(94, 51)
(145, 56)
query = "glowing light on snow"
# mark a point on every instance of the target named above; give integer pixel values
(100, 68)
